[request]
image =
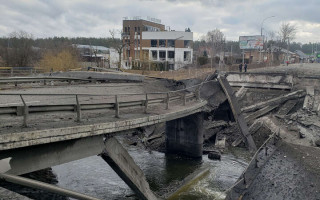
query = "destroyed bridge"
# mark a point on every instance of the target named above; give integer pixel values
(41, 140)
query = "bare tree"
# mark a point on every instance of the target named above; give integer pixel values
(117, 43)
(19, 51)
(287, 32)
(216, 40)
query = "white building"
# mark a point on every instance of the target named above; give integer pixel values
(172, 47)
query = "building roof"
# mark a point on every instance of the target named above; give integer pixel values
(150, 19)
(276, 48)
(301, 54)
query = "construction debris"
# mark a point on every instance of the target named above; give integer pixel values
(214, 155)
(237, 112)
(241, 92)
(251, 117)
(276, 101)
(286, 108)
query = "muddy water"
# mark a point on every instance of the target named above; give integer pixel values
(94, 177)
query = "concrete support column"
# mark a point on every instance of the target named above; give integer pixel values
(158, 57)
(122, 163)
(185, 135)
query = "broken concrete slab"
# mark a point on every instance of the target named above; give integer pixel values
(214, 155)
(252, 129)
(305, 133)
(309, 98)
(255, 166)
(216, 124)
(220, 143)
(274, 101)
(286, 108)
(237, 112)
(310, 90)
(261, 80)
(241, 92)
(122, 163)
(260, 113)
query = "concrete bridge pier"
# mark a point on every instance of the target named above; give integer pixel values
(185, 135)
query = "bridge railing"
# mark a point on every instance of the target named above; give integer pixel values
(44, 79)
(109, 101)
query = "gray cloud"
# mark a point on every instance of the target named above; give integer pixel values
(45, 18)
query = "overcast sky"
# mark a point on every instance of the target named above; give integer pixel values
(94, 18)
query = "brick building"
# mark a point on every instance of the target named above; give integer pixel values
(149, 45)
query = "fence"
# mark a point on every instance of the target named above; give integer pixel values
(18, 71)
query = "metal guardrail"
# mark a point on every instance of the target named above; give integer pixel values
(17, 80)
(13, 71)
(25, 109)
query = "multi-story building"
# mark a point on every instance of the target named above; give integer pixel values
(147, 44)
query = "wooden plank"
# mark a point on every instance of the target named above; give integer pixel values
(237, 112)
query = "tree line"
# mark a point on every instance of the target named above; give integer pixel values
(21, 49)
(214, 42)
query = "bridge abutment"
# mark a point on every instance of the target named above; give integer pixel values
(185, 135)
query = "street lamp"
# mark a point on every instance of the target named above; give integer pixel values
(263, 22)
(261, 34)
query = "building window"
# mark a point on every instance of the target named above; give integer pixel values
(125, 29)
(154, 43)
(187, 56)
(171, 54)
(154, 55)
(162, 43)
(135, 29)
(187, 44)
(162, 55)
(129, 29)
(139, 30)
(171, 43)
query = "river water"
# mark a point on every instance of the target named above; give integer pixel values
(93, 176)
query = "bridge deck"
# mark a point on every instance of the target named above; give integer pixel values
(43, 129)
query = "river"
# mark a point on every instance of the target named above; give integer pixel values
(93, 176)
